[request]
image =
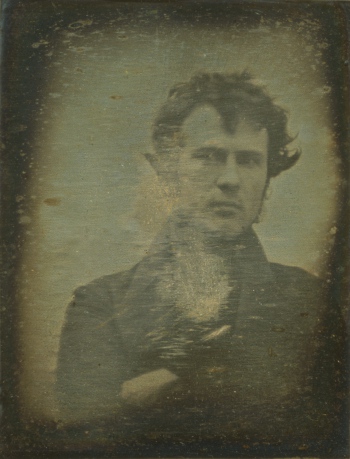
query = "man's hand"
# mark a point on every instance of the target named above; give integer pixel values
(145, 389)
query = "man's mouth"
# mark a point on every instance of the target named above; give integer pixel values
(225, 208)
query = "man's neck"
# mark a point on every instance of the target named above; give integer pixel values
(186, 237)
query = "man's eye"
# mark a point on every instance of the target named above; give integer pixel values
(214, 154)
(248, 158)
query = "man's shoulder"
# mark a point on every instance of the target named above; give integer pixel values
(295, 286)
(108, 289)
(117, 280)
(283, 275)
(294, 274)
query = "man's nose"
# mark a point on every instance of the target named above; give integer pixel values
(229, 177)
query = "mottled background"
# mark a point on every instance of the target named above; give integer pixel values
(95, 202)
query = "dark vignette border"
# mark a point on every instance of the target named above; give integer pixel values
(23, 80)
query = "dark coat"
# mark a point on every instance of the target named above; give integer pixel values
(267, 378)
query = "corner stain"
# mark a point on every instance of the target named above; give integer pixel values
(52, 201)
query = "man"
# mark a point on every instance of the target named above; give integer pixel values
(204, 339)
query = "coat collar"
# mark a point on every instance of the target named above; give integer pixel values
(248, 265)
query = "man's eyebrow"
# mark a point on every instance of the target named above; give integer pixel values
(250, 151)
(250, 155)
(209, 149)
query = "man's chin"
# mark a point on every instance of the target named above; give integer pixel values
(229, 231)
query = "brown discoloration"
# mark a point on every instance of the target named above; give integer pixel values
(278, 329)
(271, 352)
(52, 201)
(116, 97)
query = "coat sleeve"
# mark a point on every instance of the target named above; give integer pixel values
(92, 362)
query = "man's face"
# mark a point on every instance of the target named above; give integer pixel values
(222, 175)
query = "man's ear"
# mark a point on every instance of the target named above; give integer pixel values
(268, 190)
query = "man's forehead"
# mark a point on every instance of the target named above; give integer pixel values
(204, 119)
(205, 125)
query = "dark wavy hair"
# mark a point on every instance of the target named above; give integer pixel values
(234, 96)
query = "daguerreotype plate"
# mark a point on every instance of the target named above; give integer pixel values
(174, 228)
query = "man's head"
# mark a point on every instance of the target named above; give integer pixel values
(221, 138)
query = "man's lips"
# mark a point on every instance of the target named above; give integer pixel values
(225, 205)
(225, 208)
